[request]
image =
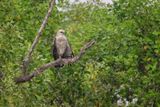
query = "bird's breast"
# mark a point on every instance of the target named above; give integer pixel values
(61, 43)
(61, 40)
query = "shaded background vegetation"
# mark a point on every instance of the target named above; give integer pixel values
(123, 64)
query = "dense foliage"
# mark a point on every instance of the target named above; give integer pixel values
(123, 65)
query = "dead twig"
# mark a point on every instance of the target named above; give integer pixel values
(54, 63)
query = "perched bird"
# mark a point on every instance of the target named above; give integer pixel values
(61, 47)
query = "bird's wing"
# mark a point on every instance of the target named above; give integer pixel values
(54, 50)
(68, 52)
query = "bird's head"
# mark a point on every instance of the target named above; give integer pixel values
(61, 31)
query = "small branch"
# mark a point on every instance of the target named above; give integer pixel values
(28, 56)
(54, 63)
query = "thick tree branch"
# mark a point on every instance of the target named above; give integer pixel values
(54, 63)
(28, 56)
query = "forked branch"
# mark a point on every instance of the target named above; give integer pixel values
(54, 63)
(28, 56)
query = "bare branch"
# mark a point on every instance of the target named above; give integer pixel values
(54, 63)
(28, 56)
